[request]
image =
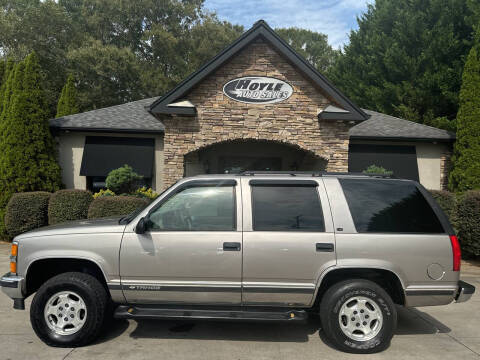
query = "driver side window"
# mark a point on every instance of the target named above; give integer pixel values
(201, 208)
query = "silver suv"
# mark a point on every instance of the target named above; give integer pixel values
(255, 246)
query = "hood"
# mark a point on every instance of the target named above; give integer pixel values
(104, 225)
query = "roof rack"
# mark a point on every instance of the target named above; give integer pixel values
(313, 173)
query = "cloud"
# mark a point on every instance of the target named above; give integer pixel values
(334, 18)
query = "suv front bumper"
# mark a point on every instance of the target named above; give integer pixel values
(12, 285)
(465, 291)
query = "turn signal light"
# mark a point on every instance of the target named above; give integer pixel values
(456, 252)
(13, 258)
(13, 268)
(14, 251)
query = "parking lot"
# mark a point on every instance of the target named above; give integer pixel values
(446, 332)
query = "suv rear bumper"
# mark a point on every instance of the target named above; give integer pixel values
(465, 291)
(12, 286)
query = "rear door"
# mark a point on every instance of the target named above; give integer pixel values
(288, 240)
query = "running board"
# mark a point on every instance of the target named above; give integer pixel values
(149, 312)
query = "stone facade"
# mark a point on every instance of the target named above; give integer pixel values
(219, 119)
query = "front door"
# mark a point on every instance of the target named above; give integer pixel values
(191, 252)
(288, 240)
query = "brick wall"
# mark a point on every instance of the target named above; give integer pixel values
(293, 121)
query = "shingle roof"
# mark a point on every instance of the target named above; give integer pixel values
(386, 127)
(129, 117)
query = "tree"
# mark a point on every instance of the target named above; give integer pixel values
(67, 104)
(5, 87)
(27, 151)
(311, 45)
(466, 157)
(406, 58)
(106, 75)
(45, 28)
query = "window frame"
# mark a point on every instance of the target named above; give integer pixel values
(193, 184)
(286, 183)
(438, 212)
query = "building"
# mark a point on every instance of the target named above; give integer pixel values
(257, 105)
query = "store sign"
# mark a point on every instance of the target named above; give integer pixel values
(258, 90)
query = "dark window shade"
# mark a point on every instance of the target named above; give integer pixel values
(103, 154)
(286, 208)
(389, 206)
(402, 160)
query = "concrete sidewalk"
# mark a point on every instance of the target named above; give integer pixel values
(445, 332)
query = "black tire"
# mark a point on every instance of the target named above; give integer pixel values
(339, 294)
(94, 296)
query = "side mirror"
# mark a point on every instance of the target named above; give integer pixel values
(140, 228)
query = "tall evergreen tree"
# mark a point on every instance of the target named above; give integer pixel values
(2, 70)
(466, 158)
(407, 57)
(27, 150)
(67, 104)
(7, 80)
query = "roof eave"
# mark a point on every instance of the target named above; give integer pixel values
(339, 116)
(401, 138)
(107, 130)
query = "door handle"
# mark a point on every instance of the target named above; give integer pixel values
(231, 246)
(324, 247)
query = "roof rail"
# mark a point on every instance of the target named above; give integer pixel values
(313, 173)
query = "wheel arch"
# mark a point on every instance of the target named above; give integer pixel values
(385, 278)
(40, 270)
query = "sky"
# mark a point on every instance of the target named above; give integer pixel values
(334, 18)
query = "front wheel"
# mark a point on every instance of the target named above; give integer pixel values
(68, 310)
(358, 316)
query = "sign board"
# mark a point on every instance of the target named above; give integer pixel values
(258, 90)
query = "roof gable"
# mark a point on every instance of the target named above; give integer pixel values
(261, 29)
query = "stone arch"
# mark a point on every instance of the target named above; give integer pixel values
(238, 154)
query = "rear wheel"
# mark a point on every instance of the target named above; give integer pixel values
(68, 310)
(358, 316)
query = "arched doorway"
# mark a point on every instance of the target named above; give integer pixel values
(239, 155)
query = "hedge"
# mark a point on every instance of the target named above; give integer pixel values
(105, 206)
(468, 223)
(447, 202)
(26, 211)
(68, 205)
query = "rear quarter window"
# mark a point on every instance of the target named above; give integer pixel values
(389, 206)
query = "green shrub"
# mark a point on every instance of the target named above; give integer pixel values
(123, 180)
(374, 169)
(447, 202)
(468, 223)
(105, 206)
(26, 211)
(68, 205)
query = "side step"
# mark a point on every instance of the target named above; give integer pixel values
(149, 312)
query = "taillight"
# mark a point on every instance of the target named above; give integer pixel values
(456, 252)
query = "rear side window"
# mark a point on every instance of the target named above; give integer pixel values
(389, 206)
(286, 208)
